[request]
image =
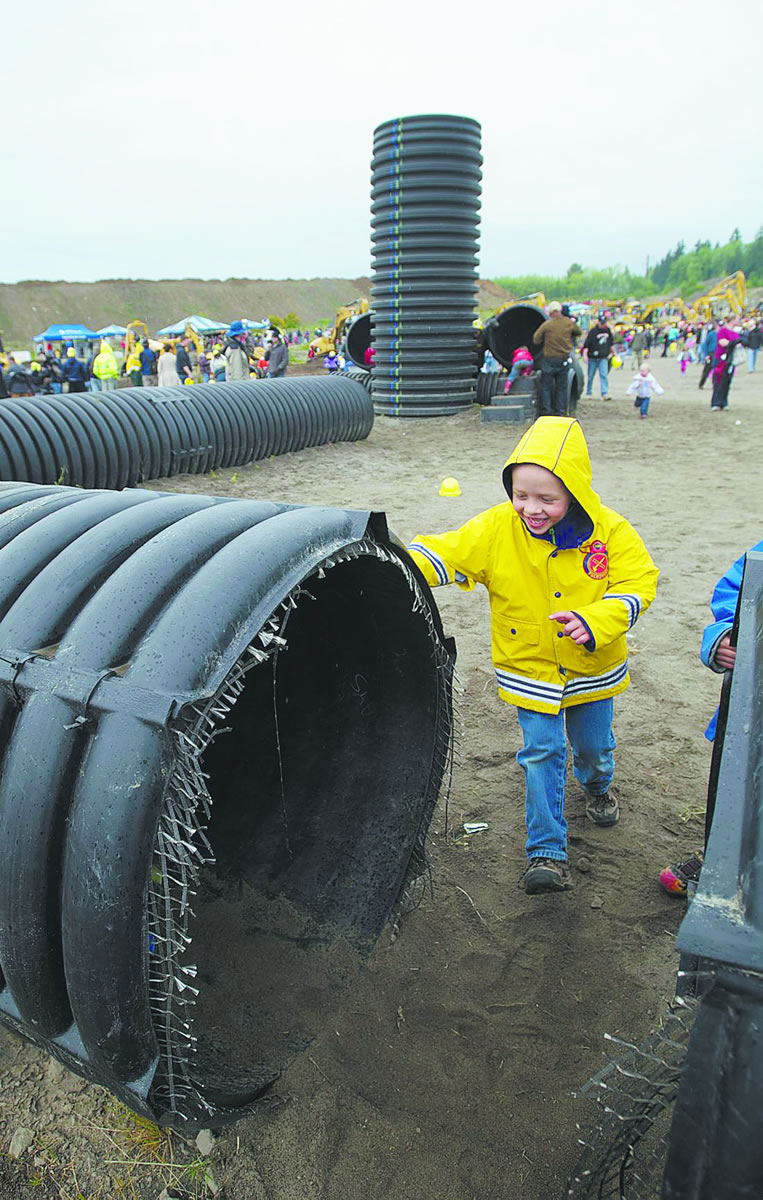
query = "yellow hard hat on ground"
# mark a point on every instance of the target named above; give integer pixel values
(449, 487)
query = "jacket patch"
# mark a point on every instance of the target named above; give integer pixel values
(596, 561)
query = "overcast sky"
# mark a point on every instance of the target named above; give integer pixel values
(217, 140)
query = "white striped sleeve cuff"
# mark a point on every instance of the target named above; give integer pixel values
(631, 601)
(434, 559)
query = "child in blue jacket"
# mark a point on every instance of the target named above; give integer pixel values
(717, 653)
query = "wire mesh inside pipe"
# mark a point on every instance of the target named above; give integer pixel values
(625, 1145)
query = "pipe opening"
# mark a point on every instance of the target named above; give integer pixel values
(359, 338)
(512, 328)
(319, 763)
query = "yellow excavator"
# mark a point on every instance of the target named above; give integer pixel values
(333, 339)
(536, 298)
(729, 295)
(136, 332)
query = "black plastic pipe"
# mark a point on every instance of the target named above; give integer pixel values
(720, 1101)
(490, 384)
(361, 375)
(425, 192)
(513, 327)
(119, 438)
(359, 339)
(136, 627)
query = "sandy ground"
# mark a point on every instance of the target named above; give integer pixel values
(443, 1068)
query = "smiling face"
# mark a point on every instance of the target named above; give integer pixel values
(538, 496)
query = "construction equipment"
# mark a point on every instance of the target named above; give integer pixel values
(729, 295)
(191, 333)
(332, 340)
(136, 332)
(644, 314)
(535, 299)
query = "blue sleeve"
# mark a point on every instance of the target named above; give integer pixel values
(724, 606)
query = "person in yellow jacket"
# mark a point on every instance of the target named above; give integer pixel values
(567, 578)
(106, 368)
(134, 367)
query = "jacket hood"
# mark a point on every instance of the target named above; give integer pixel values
(107, 356)
(558, 444)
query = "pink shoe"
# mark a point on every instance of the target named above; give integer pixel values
(680, 878)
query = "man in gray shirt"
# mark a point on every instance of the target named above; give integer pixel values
(277, 356)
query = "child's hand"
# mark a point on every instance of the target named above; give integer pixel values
(726, 654)
(573, 627)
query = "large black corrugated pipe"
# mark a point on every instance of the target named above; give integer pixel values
(117, 439)
(513, 327)
(490, 384)
(425, 189)
(359, 340)
(362, 376)
(136, 627)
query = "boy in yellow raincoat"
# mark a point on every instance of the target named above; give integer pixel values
(567, 578)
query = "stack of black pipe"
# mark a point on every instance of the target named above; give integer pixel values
(425, 189)
(119, 438)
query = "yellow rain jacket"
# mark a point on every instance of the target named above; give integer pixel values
(592, 562)
(105, 363)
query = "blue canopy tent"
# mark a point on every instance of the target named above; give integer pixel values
(66, 333)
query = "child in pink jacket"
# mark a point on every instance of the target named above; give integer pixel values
(521, 364)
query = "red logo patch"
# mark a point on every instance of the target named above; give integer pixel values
(596, 562)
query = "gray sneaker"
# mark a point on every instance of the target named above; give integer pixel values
(546, 875)
(603, 810)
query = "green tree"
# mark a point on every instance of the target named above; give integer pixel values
(684, 271)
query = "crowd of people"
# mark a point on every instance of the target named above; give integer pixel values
(609, 344)
(238, 355)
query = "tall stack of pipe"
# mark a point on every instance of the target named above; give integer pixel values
(425, 188)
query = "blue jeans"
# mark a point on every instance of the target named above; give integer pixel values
(602, 365)
(752, 358)
(517, 369)
(543, 759)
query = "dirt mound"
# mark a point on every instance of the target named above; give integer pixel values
(28, 307)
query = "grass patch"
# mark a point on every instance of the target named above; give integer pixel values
(127, 1158)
